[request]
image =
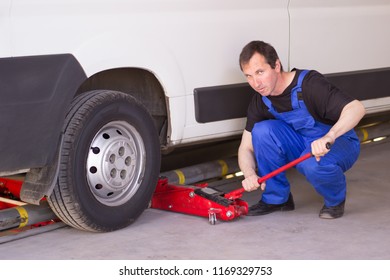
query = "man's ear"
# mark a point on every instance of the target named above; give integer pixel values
(277, 66)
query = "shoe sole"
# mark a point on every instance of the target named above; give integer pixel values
(282, 209)
(327, 216)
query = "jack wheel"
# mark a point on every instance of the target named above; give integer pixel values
(212, 218)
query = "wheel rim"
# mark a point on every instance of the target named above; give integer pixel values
(115, 163)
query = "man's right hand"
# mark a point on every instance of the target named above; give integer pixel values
(251, 183)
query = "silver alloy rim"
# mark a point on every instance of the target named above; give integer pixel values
(115, 163)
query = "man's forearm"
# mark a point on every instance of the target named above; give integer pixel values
(247, 163)
(352, 113)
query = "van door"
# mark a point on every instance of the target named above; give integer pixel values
(5, 46)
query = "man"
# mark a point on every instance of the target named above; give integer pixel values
(295, 113)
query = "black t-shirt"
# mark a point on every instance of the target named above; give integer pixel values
(323, 100)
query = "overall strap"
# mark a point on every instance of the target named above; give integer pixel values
(297, 88)
(294, 93)
(267, 102)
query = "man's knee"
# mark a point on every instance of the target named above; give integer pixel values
(265, 128)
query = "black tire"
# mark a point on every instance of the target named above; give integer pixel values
(109, 164)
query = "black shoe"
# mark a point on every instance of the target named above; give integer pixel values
(263, 208)
(332, 212)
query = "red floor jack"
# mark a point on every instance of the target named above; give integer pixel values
(204, 201)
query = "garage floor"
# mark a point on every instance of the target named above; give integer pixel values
(363, 232)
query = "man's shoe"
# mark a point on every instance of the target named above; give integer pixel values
(332, 212)
(262, 208)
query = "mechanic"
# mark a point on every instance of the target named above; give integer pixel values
(295, 113)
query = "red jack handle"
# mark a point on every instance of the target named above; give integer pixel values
(283, 168)
(238, 193)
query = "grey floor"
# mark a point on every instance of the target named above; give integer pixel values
(363, 232)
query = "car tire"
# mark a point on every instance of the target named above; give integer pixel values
(109, 162)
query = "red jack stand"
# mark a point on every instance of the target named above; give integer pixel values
(15, 214)
(183, 199)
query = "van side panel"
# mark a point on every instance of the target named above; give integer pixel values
(334, 36)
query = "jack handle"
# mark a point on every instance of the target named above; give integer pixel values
(238, 193)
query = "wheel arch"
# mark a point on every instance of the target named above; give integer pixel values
(139, 83)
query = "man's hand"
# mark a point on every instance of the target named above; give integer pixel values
(350, 116)
(251, 183)
(320, 147)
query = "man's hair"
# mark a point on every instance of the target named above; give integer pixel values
(262, 48)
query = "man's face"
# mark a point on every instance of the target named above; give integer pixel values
(260, 76)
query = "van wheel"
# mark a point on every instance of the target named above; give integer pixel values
(109, 164)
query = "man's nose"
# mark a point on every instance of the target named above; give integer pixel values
(257, 82)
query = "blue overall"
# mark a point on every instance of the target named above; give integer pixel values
(289, 136)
